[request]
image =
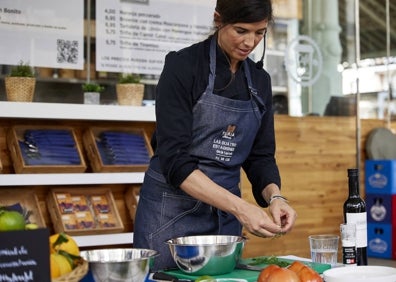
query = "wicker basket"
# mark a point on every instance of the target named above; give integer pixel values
(130, 94)
(20, 89)
(76, 275)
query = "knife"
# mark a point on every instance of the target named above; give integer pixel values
(249, 267)
(167, 277)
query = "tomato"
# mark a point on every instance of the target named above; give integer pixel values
(283, 275)
(266, 272)
(307, 274)
(296, 266)
(296, 272)
(274, 273)
(304, 272)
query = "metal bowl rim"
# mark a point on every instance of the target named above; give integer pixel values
(240, 239)
(153, 254)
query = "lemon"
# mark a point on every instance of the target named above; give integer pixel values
(63, 264)
(11, 220)
(54, 267)
(31, 226)
(64, 242)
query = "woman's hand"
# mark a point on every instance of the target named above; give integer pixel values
(252, 217)
(258, 222)
(283, 214)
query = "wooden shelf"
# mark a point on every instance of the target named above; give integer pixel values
(76, 111)
(70, 178)
(104, 240)
(57, 111)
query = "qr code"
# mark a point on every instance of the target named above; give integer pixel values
(67, 51)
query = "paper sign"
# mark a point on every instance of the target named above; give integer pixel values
(24, 255)
(135, 35)
(43, 33)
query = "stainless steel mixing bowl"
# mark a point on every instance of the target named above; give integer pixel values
(207, 254)
(127, 265)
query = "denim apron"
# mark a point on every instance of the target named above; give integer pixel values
(223, 134)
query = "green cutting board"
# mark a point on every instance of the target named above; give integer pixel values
(250, 275)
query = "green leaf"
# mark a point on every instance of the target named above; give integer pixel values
(92, 87)
(129, 78)
(62, 238)
(269, 260)
(70, 258)
(22, 70)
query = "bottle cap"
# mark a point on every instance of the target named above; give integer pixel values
(353, 172)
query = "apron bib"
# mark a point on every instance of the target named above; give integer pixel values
(224, 129)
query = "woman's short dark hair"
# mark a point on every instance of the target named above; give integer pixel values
(244, 11)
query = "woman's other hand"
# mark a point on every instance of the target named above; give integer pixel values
(258, 222)
(283, 214)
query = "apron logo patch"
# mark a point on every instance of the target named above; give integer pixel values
(230, 132)
(224, 148)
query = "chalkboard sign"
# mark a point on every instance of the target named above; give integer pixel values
(24, 255)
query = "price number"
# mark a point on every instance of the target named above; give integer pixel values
(110, 25)
(111, 42)
(110, 18)
(110, 11)
(110, 31)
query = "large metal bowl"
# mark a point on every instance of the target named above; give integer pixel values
(207, 254)
(111, 265)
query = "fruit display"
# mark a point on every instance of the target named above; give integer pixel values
(296, 272)
(13, 218)
(64, 255)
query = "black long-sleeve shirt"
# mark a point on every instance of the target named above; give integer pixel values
(183, 80)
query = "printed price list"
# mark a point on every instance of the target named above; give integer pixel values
(135, 36)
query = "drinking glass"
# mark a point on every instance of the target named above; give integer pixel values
(324, 248)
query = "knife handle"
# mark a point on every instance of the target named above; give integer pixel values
(168, 277)
(164, 276)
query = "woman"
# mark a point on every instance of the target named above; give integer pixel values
(214, 116)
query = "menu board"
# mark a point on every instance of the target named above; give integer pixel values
(43, 33)
(24, 256)
(135, 35)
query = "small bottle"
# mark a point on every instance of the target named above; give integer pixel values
(348, 240)
(355, 212)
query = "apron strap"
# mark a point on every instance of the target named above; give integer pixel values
(212, 75)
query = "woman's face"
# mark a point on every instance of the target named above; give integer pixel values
(238, 40)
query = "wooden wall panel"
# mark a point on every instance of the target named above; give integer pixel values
(313, 155)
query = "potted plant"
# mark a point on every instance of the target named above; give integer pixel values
(20, 83)
(92, 92)
(129, 89)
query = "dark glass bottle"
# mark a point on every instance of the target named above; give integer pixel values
(355, 212)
